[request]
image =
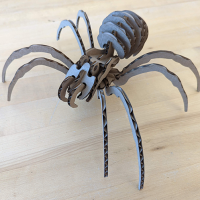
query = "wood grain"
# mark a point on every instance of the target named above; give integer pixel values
(49, 151)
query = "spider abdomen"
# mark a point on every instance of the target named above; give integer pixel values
(126, 30)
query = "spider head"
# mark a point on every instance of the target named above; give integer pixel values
(93, 71)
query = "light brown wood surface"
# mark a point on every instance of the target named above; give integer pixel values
(49, 151)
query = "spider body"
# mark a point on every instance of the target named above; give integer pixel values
(123, 31)
(93, 71)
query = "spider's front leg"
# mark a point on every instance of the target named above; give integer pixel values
(102, 98)
(134, 126)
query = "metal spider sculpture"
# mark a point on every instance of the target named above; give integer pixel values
(123, 31)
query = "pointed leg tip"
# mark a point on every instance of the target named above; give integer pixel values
(140, 187)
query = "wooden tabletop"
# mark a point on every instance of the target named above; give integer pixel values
(50, 151)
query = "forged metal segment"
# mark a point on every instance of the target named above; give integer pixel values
(121, 33)
(63, 87)
(109, 66)
(72, 98)
(69, 23)
(159, 68)
(102, 98)
(167, 55)
(89, 81)
(27, 67)
(135, 130)
(144, 31)
(104, 38)
(83, 14)
(36, 48)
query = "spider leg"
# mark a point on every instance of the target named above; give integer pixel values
(134, 126)
(36, 48)
(167, 55)
(27, 67)
(77, 90)
(102, 98)
(83, 14)
(159, 68)
(69, 23)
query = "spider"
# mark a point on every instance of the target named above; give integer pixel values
(124, 32)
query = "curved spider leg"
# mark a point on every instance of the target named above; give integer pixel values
(27, 67)
(69, 23)
(134, 126)
(72, 97)
(159, 68)
(63, 87)
(102, 98)
(167, 55)
(36, 48)
(83, 14)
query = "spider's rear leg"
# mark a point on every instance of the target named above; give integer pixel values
(83, 14)
(69, 23)
(36, 48)
(27, 67)
(134, 126)
(167, 55)
(159, 68)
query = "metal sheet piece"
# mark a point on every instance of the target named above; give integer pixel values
(102, 98)
(36, 48)
(83, 14)
(159, 68)
(27, 67)
(134, 126)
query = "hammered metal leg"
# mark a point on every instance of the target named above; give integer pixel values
(135, 130)
(102, 98)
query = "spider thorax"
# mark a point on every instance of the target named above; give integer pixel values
(93, 71)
